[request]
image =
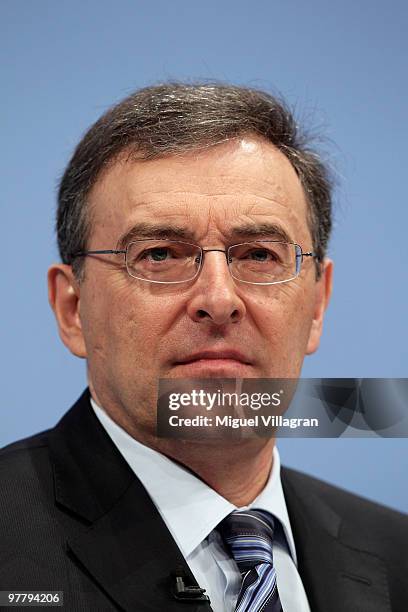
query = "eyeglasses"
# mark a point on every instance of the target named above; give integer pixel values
(262, 262)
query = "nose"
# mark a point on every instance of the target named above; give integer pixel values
(214, 298)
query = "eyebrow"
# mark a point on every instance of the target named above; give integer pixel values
(256, 230)
(150, 230)
(177, 232)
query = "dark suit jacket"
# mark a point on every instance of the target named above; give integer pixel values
(74, 518)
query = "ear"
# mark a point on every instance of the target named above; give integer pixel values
(64, 298)
(323, 291)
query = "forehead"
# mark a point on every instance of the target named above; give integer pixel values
(210, 192)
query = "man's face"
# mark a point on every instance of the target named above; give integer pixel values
(136, 332)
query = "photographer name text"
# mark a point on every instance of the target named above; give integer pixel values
(236, 423)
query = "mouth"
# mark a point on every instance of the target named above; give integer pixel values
(227, 363)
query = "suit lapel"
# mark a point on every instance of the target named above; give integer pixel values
(115, 532)
(337, 574)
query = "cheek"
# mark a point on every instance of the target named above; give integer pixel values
(285, 315)
(136, 322)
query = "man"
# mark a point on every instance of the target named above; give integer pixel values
(154, 207)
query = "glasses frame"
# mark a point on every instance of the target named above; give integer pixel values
(298, 256)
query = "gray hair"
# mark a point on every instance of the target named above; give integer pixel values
(172, 119)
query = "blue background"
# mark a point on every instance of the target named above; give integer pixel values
(342, 65)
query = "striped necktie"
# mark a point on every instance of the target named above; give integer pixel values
(249, 535)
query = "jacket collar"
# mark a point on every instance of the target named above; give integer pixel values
(114, 530)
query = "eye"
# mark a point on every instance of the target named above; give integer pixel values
(261, 255)
(157, 254)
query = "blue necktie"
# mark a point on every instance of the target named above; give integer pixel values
(249, 535)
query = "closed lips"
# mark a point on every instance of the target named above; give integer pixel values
(213, 355)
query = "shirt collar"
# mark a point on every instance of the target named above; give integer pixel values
(189, 507)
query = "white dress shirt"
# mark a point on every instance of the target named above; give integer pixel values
(191, 510)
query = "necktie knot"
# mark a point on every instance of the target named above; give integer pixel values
(249, 535)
